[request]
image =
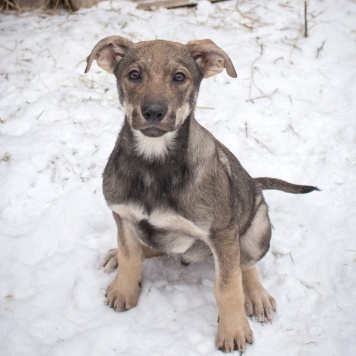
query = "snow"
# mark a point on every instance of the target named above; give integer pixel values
(289, 114)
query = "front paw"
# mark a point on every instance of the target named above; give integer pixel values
(122, 296)
(233, 335)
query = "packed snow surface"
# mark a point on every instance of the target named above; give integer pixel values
(291, 114)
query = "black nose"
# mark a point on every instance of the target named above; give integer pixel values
(154, 112)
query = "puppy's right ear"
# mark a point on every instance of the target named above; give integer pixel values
(108, 53)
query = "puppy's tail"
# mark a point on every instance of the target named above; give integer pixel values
(266, 183)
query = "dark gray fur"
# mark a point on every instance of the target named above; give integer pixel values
(227, 193)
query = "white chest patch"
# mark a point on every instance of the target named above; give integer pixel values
(153, 147)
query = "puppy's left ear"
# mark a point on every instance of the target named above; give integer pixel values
(210, 58)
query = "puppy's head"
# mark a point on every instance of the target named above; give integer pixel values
(158, 81)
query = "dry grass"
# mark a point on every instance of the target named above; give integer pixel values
(7, 5)
(18, 5)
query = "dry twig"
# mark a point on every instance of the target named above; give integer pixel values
(169, 4)
(319, 49)
(305, 18)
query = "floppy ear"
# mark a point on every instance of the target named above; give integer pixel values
(108, 52)
(210, 58)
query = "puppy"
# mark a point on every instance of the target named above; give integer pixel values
(174, 189)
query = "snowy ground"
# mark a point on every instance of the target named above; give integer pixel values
(291, 114)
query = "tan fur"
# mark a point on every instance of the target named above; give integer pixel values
(124, 290)
(234, 330)
(149, 253)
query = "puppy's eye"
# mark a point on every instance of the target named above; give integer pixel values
(179, 77)
(135, 76)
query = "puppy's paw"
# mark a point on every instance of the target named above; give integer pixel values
(233, 335)
(110, 262)
(259, 304)
(122, 296)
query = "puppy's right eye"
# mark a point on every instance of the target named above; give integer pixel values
(179, 77)
(135, 76)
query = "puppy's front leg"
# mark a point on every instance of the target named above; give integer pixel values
(123, 292)
(234, 330)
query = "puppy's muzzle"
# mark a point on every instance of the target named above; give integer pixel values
(154, 114)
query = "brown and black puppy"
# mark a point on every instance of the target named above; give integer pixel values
(174, 189)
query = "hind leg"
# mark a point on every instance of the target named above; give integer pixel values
(254, 245)
(258, 303)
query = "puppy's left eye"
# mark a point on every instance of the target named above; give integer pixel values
(179, 77)
(135, 76)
